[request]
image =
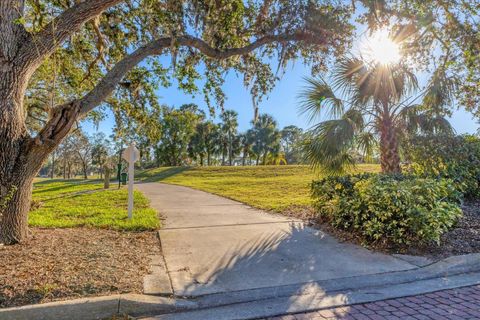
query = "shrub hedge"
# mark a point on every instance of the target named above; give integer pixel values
(389, 209)
(452, 157)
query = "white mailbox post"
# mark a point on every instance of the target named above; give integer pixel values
(131, 155)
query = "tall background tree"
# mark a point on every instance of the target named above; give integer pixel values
(291, 143)
(229, 130)
(265, 137)
(246, 142)
(101, 152)
(178, 128)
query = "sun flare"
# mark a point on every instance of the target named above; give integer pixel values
(380, 48)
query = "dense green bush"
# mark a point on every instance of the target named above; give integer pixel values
(452, 157)
(388, 209)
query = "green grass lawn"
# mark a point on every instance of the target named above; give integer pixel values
(79, 203)
(277, 188)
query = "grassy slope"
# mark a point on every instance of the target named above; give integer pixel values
(276, 188)
(76, 203)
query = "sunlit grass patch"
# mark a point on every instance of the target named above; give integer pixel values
(83, 203)
(48, 189)
(276, 188)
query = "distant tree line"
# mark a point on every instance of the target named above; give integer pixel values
(81, 155)
(189, 138)
(183, 136)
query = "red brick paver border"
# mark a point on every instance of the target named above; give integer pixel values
(461, 303)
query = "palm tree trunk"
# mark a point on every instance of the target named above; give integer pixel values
(389, 155)
(223, 157)
(230, 153)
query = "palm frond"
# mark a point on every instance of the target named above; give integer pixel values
(366, 143)
(317, 97)
(438, 125)
(409, 118)
(415, 121)
(440, 91)
(353, 79)
(330, 146)
(355, 117)
(405, 81)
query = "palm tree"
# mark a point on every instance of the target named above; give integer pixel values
(197, 147)
(377, 108)
(246, 142)
(229, 128)
(211, 141)
(266, 137)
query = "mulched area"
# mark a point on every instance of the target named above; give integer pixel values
(59, 264)
(464, 238)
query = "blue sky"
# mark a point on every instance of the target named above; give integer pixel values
(282, 103)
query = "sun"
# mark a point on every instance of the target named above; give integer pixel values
(380, 48)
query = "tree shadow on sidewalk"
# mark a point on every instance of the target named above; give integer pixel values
(275, 273)
(153, 175)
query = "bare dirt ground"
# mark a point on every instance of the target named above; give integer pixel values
(59, 264)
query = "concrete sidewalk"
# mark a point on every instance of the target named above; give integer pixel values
(216, 245)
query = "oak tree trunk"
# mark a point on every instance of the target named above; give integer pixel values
(16, 174)
(21, 156)
(389, 155)
(14, 214)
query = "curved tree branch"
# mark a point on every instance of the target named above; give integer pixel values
(64, 116)
(43, 43)
(156, 47)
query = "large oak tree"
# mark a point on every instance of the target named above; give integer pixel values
(61, 59)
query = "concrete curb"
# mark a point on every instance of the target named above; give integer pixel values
(453, 272)
(97, 308)
(157, 282)
(456, 265)
(317, 301)
(449, 273)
